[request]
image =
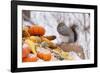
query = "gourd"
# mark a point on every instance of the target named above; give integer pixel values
(35, 39)
(63, 54)
(50, 37)
(30, 58)
(36, 30)
(44, 54)
(69, 58)
(25, 32)
(44, 44)
(25, 50)
(50, 44)
(31, 45)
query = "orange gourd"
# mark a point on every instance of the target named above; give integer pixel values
(44, 56)
(47, 57)
(40, 55)
(36, 30)
(25, 52)
(30, 59)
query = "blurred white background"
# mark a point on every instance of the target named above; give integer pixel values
(5, 26)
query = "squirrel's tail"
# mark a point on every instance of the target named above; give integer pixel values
(73, 27)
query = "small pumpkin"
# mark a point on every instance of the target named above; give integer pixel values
(44, 55)
(36, 30)
(25, 50)
(40, 55)
(47, 56)
(30, 58)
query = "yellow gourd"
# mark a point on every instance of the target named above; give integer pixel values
(64, 54)
(69, 58)
(50, 44)
(31, 45)
(35, 39)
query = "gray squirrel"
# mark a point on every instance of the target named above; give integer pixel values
(67, 32)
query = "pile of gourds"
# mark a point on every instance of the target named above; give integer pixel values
(36, 46)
